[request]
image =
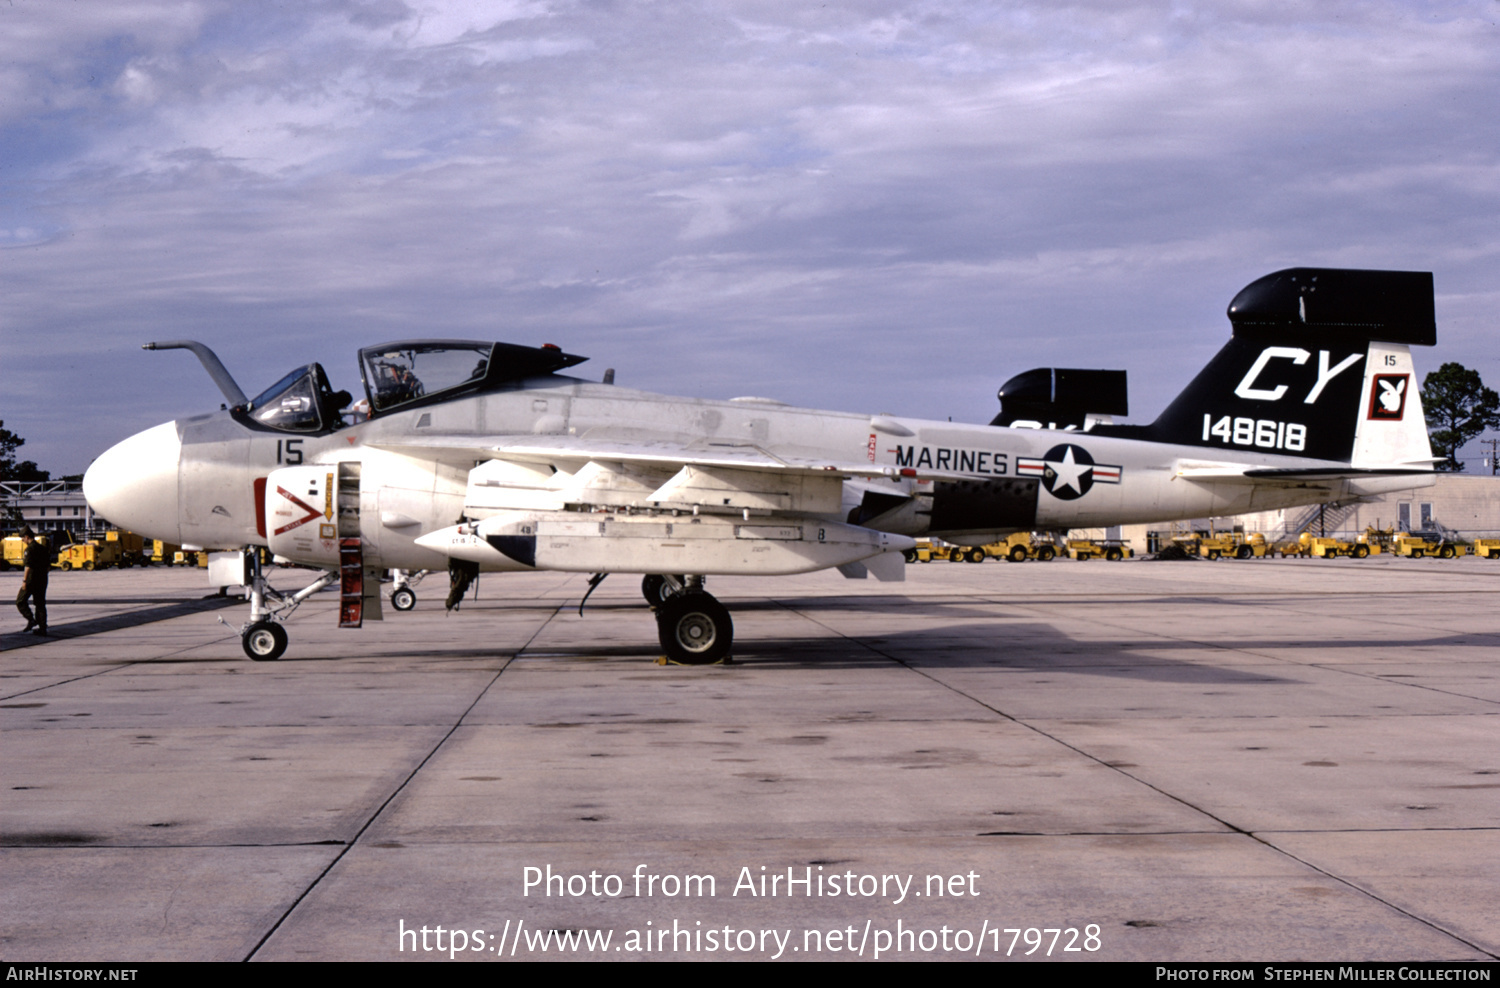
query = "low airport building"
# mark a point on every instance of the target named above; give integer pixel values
(45, 506)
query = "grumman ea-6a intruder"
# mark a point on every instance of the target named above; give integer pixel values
(489, 457)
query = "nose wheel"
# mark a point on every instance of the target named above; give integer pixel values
(403, 599)
(264, 641)
(694, 629)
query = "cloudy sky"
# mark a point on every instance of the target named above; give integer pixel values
(873, 206)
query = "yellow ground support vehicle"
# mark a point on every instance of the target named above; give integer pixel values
(131, 547)
(967, 554)
(1084, 549)
(77, 556)
(14, 554)
(157, 551)
(1233, 545)
(923, 552)
(89, 555)
(1416, 547)
(1022, 546)
(1487, 548)
(1379, 539)
(1322, 547)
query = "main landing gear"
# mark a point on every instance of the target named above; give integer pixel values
(656, 588)
(262, 637)
(693, 627)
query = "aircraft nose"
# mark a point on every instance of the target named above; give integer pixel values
(134, 483)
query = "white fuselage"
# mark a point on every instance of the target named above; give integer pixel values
(203, 481)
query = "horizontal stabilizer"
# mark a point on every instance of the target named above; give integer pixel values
(1386, 306)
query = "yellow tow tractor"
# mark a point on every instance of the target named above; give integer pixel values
(923, 552)
(1379, 539)
(1487, 548)
(1084, 549)
(1022, 546)
(1323, 547)
(1416, 547)
(1234, 545)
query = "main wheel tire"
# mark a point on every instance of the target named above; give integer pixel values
(1446, 552)
(1113, 555)
(403, 599)
(694, 628)
(1017, 554)
(1046, 554)
(264, 641)
(1244, 552)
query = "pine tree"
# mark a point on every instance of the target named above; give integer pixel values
(1458, 407)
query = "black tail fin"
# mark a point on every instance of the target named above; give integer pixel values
(1318, 367)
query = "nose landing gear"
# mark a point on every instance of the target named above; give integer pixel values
(262, 637)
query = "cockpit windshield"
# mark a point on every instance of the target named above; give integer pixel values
(300, 402)
(403, 372)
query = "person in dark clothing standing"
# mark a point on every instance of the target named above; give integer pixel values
(38, 563)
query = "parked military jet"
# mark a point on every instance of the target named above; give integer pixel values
(478, 456)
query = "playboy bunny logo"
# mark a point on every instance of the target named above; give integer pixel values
(1392, 395)
(1388, 397)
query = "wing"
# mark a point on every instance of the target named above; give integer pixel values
(535, 501)
(551, 450)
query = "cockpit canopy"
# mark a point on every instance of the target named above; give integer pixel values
(302, 401)
(398, 375)
(417, 371)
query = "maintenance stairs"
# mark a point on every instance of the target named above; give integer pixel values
(1332, 518)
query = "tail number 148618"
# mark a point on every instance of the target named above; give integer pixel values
(1265, 433)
